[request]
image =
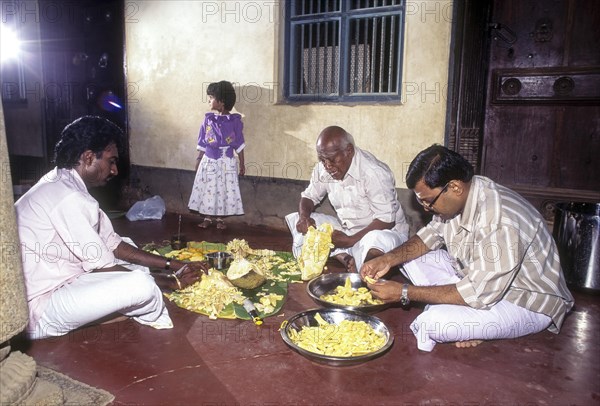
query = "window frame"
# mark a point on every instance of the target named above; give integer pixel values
(343, 17)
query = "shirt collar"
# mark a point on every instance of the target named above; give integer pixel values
(72, 175)
(353, 170)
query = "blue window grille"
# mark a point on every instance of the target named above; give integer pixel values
(344, 50)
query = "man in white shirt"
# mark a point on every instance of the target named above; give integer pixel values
(77, 269)
(362, 190)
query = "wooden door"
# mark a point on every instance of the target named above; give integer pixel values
(542, 116)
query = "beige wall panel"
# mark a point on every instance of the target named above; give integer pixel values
(175, 48)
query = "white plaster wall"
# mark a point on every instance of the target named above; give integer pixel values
(175, 48)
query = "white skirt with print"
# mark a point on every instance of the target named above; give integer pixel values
(216, 190)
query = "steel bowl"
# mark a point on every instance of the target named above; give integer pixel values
(335, 316)
(219, 260)
(327, 283)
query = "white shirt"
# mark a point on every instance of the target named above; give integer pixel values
(367, 192)
(63, 233)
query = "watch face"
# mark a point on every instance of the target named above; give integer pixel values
(404, 300)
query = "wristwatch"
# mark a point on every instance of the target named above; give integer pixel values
(168, 265)
(404, 300)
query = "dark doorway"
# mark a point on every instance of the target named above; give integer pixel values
(79, 47)
(83, 55)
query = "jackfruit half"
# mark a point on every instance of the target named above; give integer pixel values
(315, 251)
(244, 274)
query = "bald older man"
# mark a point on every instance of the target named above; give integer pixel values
(369, 219)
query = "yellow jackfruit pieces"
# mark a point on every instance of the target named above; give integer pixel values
(208, 296)
(268, 302)
(241, 249)
(315, 251)
(344, 339)
(347, 296)
(370, 280)
(186, 254)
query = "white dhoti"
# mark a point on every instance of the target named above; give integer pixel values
(381, 240)
(95, 295)
(451, 323)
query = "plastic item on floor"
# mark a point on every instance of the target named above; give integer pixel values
(152, 208)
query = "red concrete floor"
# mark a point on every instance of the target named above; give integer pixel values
(232, 362)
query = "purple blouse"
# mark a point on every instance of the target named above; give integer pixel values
(220, 135)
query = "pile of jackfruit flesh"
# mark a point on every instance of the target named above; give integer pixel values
(345, 339)
(315, 251)
(210, 295)
(347, 296)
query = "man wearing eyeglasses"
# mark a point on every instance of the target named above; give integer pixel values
(499, 275)
(362, 191)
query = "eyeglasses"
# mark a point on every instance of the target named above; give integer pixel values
(429, 206)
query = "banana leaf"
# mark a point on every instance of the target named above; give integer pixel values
(276, 284)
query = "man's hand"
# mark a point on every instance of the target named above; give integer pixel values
(304, 223)
(197, 266)
(188, 272)
(342, 240)
(376, 268)
(388, 291)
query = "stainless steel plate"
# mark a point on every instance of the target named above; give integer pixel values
(326, 283)
(335, 316)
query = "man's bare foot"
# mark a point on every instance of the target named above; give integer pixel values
(348, 261)
(467, 344)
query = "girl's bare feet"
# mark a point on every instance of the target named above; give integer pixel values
(221, 224)
(206, 223)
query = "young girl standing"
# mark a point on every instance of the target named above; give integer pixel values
(216, 190)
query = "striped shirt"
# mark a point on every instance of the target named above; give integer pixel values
(504, 251)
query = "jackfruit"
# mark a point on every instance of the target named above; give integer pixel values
(243, 273)
(315, 251)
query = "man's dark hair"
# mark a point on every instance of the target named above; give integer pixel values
(86, 133)
(437, 165)
(224, 92)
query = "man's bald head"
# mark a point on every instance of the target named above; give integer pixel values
(335, 149)
(334, 137)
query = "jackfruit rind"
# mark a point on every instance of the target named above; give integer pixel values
(250, 280)
(245, 274)
(315, 251)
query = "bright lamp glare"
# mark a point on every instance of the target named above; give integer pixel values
(9, 47)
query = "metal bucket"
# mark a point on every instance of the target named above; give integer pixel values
(577, 235)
